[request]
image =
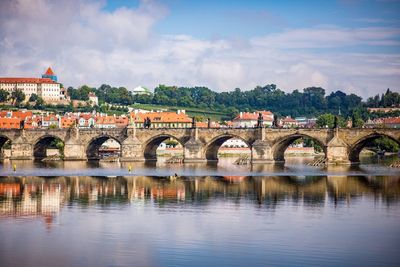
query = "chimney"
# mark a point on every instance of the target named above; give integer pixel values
(178, 111)
(241, 114)
(183, 111)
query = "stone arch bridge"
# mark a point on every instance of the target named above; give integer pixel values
(341, 146)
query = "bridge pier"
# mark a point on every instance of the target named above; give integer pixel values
(192, 152)
(261, 153)
(74, 152)
(131, 150)
(337, 151)
(21, 151)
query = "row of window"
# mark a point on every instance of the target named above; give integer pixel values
(167, 125)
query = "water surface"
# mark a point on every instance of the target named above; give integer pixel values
(323, 220)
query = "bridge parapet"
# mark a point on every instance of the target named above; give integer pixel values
(199, 144)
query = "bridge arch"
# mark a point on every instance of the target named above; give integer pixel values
(357, 147)
(94, 145)
(211, 149)
(151, 145)
(47, 141)
(5, 142)
(280, 146)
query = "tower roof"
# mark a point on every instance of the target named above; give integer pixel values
(49, 72)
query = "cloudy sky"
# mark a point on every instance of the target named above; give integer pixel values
(349, 45)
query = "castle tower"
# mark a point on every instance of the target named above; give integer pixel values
(50, 74)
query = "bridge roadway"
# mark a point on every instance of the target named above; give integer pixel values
(341, 146)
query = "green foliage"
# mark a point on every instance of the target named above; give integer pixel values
(388, 99)
(57, 144)
(172, 143)
(356, 119)
(17, 97)
(308, 142)
(7, 145)
(384, 143)
(328, 120)
(33, 98)
(3, 95)
(52, 126)
(80, 93)
(199, 118)
(39, 103)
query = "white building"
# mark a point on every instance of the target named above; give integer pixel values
(140, 91)
(93, 99)
(250, 119)
(234, 143)
(46, 88)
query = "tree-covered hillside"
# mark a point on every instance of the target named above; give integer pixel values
(311, 101)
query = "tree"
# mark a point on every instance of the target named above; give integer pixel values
(4, 95)
(171, 143)
(17, 96)
(39, 103)
(356, 119)
(328, 120)
(33, 98)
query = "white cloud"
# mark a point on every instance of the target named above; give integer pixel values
(86, 44)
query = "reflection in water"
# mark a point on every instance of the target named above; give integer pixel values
(37, 196)
(200, 221)
(293, 166)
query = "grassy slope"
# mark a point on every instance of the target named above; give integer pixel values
(206, 113)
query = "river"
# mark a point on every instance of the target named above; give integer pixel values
(100, 214)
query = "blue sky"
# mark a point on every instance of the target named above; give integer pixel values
(243, 19)
(350, 45)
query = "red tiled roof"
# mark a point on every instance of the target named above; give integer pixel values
(49, 72)
(254, 116)
(26, 80)
(10, 123)
(105, 120)
(85, 116)
(50, 117)
(203, 124)
(164, 117)
(289, 119)
(393, 120)
(16, 114)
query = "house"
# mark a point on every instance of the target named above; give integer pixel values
(86, 120)
(306, 122)
(204, 124)
(250, 119)
(105, 122)
(288, 122)
(50, 120)
(68, 121)
(163, 119)
(33, 122)
(10, 123)
(392, 122)
(93, 99)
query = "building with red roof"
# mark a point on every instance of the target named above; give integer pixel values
(391, 122)
(10, 123)
(45, 87)
(288, 122)
(163, 119)
(250, 119)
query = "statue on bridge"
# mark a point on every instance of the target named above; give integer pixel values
(193, 123)
(260, 121)
(335, 123)
(147, 123)
(275, 121)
